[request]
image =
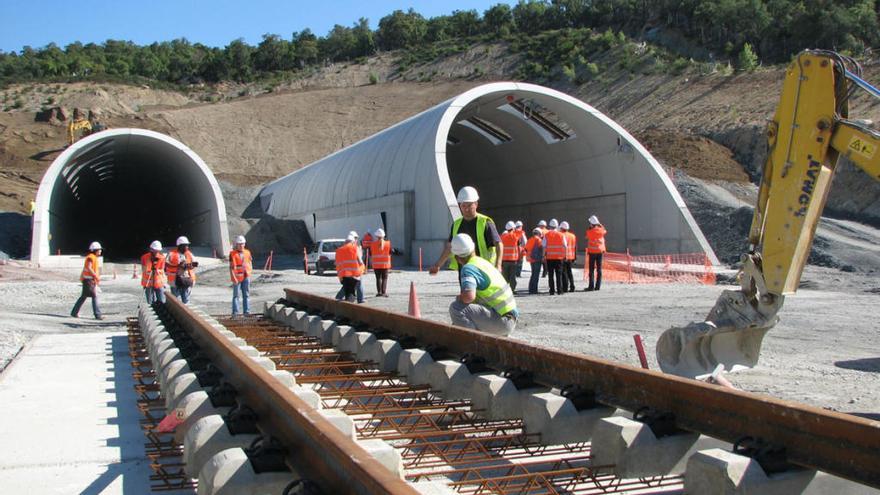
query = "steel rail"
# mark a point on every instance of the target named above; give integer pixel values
(318, 449)
(839, 444)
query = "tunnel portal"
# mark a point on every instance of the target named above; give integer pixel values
(125, 188)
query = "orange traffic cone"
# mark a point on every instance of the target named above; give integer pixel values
(414, 310)
(134, 271)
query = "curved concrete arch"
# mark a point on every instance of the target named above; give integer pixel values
(124, 188)
(532, 152)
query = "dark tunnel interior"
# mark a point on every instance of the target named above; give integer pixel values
(125, 192)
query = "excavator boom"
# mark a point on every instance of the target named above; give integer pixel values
(810, 131)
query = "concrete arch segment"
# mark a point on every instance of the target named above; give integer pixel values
(495, 137)
(124, 188)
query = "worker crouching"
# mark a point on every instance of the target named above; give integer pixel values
(179, 267)
(153, 274)
(90, 278)
(486, 302)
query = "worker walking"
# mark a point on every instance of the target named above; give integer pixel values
(570, 257)
(595, 249)
(241, 265)
(153, 274)
(359, 289)
(91, 279)
(486, 302)
(476, 226)
(179, 267)
(554, 253)
(349, 267)
(512, 247)
(380, 258)
(535, 257)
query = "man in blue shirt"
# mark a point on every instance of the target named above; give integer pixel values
(486, 302)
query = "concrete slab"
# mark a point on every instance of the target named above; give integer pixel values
(70, 424)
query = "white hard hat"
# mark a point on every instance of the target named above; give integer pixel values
(182, 240)
(380, 233)
(519, 223)
(468, 194)
(462, 245)
(563, 225)
(553, 223)
(350, 238)
(536, 230)
(542, 223)
(509, 225)
(594, 220)
(240, 240)
(156, 246)
(353, 234)
(95, 246)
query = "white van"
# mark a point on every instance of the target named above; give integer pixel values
(322, 257)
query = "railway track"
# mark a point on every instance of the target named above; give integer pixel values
(320, 396)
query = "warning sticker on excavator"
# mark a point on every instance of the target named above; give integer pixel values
(862, 147)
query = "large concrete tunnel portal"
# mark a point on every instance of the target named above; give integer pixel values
(125, 188)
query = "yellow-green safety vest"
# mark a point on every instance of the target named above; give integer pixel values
(482, 250)
(498, 294)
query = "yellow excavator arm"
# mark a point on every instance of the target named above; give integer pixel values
(810, 131)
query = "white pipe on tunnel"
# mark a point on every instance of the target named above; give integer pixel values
(124, 188)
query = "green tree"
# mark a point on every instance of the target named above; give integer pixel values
(339, 44)
(272, 54)
(305, 47)
(747, 60)
(238, 56)
(530, 16)
(401, 30)
(465, 23)
(365, 41)
(498, 20)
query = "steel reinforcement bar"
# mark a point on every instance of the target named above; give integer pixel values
(318, 448)
(839, 444)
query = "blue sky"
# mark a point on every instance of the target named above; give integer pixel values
(211, 22)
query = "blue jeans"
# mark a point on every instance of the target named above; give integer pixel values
(154, 295)
(359, 292)
(183, 294)
(536, 277)
(245, 286)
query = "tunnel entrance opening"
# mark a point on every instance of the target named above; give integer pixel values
(126, 188)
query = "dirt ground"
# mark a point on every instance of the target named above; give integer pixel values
(824, 352)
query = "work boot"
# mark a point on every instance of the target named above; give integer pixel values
(99, 317)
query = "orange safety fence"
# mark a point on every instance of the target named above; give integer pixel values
(656, 268)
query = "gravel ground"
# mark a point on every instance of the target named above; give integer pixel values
(824, 352)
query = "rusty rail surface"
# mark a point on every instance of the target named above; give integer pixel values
(319, 449)
(839, 444)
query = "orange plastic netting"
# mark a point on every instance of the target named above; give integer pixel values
(657, 268)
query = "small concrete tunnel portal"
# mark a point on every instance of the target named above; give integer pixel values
(125, 188)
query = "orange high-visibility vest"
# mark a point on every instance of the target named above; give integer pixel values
(150, 277)
(543, 231)
(510, 244)
(380, 254)
(571, 248)
(347, 262)
(242, 264)
(172, 264)
(91, 271)
(534, 242)
(596, 239)
(555, 245)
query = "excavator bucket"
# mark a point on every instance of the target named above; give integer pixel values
(731, 335)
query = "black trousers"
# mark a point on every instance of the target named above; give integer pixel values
(595, 262)
(567, 276)
(381, 280)
(508, 269)
(349, 287)
(554, 270)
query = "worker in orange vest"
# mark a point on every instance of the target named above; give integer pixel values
(542, 225)
(522, 252)
(241, 264)
(380, 257)
(90, 278)
(366, 243)
(595, 249)
(153, 274)
(511, 247)
(349, 267)
(179, 268)
(535, 257)
(570, 257)
(554, 253)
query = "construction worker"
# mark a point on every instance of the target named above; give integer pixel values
(486, 301)
(91, 279)
(570, 257)
(595, 249)
(554, 253)
(380, 251)
(366, 242)
(349, 267)
(77, 122)
(153, 273)
(241, 264)
(512, 246)
(476, 225)
(522, 235)
(535, 257)
(543, 226)
(179, 268)
(359, 290)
